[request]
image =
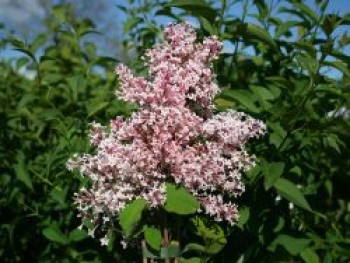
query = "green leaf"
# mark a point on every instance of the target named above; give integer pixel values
(307, 47)
(243, 217)
(301, 15)
(130, 217)
(48, 65)
(278, 134)
(180, 201)
(208, 26)
(272, 172)
(289, 190)
(58, 12)
(293, 245)
(21, 62)
(52, 78)
(216, 245)
(309, 256)
(224, 104)
(131, 23)
(242, 96)
(122, 8)
(212, 234)
(345, 20)
(190, 260)
(306, 10)
(307, 62)
(97, 107)
(263, 93)
(333, 142)
(54, 233)
(166, 11)
(285, 27)
(77, 235)
(38, 42)
(194, 247)
(21, 171)
(255, 32)
(280, 224)
(196, 7)
(153, 237)
(296, 170)
(76, 83)
(330, 22)
(27, 52)
(59, 195)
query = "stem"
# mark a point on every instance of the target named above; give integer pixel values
(166, 241)
(166, 236)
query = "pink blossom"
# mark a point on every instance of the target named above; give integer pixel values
(175, 136)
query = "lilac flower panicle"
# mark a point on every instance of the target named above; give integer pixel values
(166, 140)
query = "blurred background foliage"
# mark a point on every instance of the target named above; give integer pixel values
(285, 62)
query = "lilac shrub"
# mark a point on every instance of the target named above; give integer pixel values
(174, 137)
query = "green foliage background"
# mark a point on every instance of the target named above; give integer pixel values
(296, 207)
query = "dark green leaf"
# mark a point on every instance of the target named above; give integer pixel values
(292, 244)
(21, 171)
(54, 233)
(77, 235)
(273, 172)
(244, 214)
(59, 195)
(290, 191)
(27, 52)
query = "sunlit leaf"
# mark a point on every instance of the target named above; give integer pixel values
(130, 217)
(180, 201)
(153, 237)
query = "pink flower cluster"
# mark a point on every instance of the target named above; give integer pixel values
(174, 137)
